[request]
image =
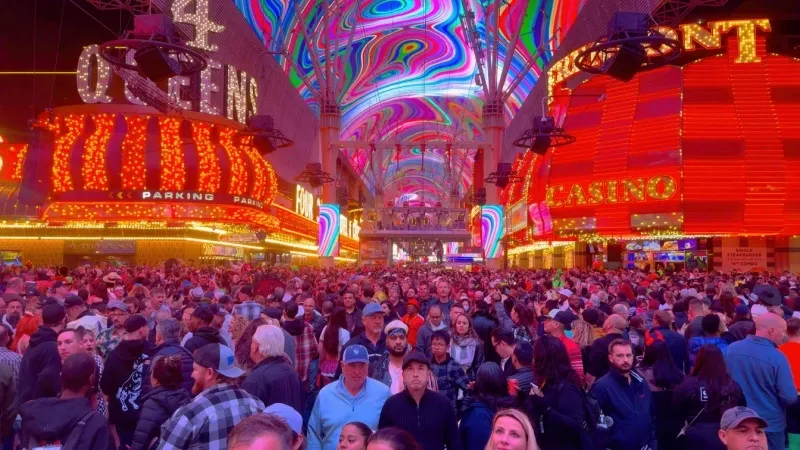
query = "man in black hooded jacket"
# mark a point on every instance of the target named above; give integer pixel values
(126, 378)
(71, 419)
(41, 364)
(202, 331)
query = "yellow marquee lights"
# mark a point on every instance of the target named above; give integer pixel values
(96, 93)
(93, 169)
(133, 168)
(207, 87)
(708, 36)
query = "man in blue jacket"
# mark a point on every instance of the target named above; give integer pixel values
(352, 398)
(662, 321)
(763, 373)
(625, 396)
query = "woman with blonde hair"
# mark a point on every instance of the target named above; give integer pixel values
(511, 430)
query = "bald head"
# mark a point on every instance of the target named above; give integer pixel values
(615, 324)
(772, 327)
(621, 310)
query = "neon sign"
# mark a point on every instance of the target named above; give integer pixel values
(627, 190)
(707, 37)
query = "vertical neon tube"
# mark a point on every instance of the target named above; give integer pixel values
(328, 230)
(492, 227)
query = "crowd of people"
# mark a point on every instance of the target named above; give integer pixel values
(403, 358)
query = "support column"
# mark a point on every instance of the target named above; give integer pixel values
(330, 124)
(493, 127)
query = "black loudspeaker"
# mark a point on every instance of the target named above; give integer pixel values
(502, 180)
(543, 127)
(156, 64)
(626, 63)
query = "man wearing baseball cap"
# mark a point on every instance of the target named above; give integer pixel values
(389, 367)
(742, 429)
(373, 338)
(218, 407)
(354, 397)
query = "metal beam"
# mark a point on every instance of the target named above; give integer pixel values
(512, 50)
(303, 78)
(326, 41)
(348, 51)
(494, 53)
(312, 51)
(391, 145)
(470, 30)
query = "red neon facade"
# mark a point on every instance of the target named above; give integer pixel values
(726, 133)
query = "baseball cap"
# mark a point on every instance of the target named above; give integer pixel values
(738, 414)
(565, 292)
(203, 313)
(219, 358)
(196, 293)
(415, 357)
(414, 302)
(288, 415)
(60, 283)
(372, 308)
(355, 354)
(73, 300)
(566, 318)
(273, 313)
(118, 304)
(134, 323)
(396, 327)
(742, 309)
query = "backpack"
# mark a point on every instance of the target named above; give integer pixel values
(71, 442)
(595, 423)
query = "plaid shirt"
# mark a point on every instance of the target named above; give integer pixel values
(451, 377)
(107, 341)
(206, 422)
(248, 310)
(306, 350)
(11, 359)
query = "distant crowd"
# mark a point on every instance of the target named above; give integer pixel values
(244, 356)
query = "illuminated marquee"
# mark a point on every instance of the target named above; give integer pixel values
(304, 202)
(708, 36)
(241, 90)
(190, 196)
(627, 190)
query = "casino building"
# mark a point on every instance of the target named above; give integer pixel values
(120, 182)
(692, 165)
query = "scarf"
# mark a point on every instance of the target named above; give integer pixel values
(462, 350)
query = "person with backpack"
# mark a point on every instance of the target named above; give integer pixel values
(556, 401)
(126, 378)
(624, 395)
(159, 404)
(71, 421)
(168, 344)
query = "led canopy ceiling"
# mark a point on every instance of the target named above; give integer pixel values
(411, 76)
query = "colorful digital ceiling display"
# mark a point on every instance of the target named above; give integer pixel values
(411, 74)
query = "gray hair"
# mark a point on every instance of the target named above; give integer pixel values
(168, 329)
(270, 340)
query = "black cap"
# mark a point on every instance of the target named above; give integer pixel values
(135, 323)
(204, 313)
(73, 300)
(566, 318)
(416, 357)
(246, 289)
(53, 314)
(273, 313)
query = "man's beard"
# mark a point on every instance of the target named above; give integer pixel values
(624, 368)
(13, 319)
(198, 387)
(394, 352)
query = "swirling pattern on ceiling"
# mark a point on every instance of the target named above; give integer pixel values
(411, 75)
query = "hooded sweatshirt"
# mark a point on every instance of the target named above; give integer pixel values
(158, 406)
(53, 419)
(40, 367)
(203, 336)
(125, 379)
